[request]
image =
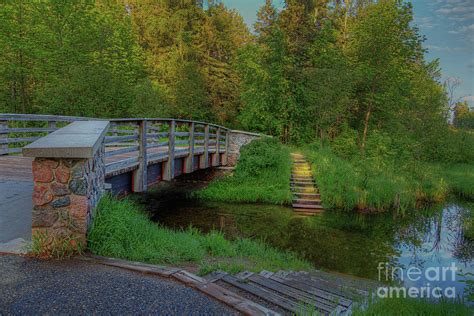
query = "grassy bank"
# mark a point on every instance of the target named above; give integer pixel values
(407, 306)
(261, 176)
(122, 230)
(374, 185)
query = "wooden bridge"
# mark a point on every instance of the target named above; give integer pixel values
(66, 163)
(167, 147)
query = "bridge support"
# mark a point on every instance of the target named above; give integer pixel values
(236, 140)
(69, 177)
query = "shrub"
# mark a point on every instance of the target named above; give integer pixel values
(262, 175)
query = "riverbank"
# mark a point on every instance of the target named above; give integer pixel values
(122, 230)
(262, 175)
(374, 185)
(370, 184)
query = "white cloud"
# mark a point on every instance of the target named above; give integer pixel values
(468, 28)
(469, 98)
(444, 48)
(458, 11)
(425, 22)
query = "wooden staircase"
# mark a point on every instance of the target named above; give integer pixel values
(306, 197)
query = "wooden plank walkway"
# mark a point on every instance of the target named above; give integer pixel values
(288, 292)
(306, 200)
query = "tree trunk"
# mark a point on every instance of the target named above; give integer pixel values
(366, 128)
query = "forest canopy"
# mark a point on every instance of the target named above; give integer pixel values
(350, 74)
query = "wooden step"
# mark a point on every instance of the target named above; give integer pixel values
(306, 195)
(299, 179)
(304, 206)
(302, 184)
(306, 213)
(300, 189)
(307, 201)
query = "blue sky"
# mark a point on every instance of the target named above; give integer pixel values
(447, 24)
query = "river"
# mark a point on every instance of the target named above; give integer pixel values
(364, 245)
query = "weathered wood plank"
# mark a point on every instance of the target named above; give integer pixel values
(38, 117)
(169, 166)
(113, 139)
(263, 294)
(205, 158)
(4, 130)
(297, 295)
(140, 179)
(314, 290)
(121, 151)
(19, 140)
(3, 136)
(189, 162)
(122, 164)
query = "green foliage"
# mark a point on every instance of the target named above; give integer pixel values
(408, 306)
(377, 184)
(119, 58)
(262, 175)
(121, 230)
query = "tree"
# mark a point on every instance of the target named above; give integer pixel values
(383, 46)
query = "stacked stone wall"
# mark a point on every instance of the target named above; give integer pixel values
(66, 192)
(237, 139)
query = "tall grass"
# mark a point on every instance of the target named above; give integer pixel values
(121, 230)
(262, 175)
(460, 179)
(369, 184)
(409, 306)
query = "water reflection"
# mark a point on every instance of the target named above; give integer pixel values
(337, 241)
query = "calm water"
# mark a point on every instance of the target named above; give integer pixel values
(339, 241)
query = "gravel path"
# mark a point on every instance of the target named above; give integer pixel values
(30, 286)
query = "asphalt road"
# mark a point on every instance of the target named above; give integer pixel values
(30, 286)
(15, 209)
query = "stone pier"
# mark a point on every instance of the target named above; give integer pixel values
(69, 178)
(238, 139)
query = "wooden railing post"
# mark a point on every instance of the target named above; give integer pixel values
(226, 156)
(189, 167)
(140, 176)
(206, 146)
(169, 166)
(3, 137)
(216, 159)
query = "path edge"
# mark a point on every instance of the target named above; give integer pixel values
(189, 279)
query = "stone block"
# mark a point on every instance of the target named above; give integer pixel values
(61, 202)
(43, 170)
(78, 186)
(43, 217)
(59, 189)
(41, 195)
(62, 173)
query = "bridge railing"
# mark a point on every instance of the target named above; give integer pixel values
(131, 144)
(18, 130)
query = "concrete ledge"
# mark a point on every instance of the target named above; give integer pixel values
(79, 139)
(248, 133)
